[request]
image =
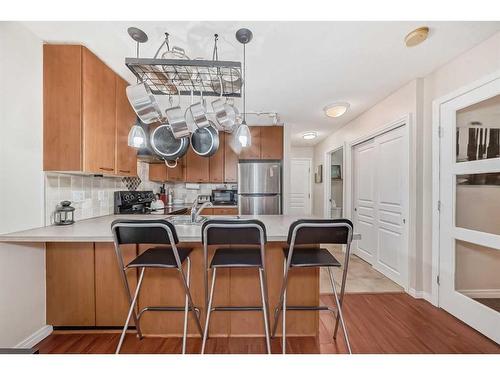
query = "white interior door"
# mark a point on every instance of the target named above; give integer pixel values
(469, 234)
(364, 200)
(300, 189)
(380, 168)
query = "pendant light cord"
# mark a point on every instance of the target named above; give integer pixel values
(244, 85)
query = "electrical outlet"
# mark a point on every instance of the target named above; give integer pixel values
(78, 196)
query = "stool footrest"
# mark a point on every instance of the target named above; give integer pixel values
(311, 308)
(237, 308)
(165, 308)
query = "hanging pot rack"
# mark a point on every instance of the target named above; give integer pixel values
(184, 76)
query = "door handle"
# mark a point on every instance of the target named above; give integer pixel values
(355, 209)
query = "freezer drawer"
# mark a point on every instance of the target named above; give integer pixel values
(259, 177)
(259, 204)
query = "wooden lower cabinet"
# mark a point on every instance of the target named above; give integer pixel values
(70, 288)
(111, 301)
(225, 211)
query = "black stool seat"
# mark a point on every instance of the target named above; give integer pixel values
(160, 257)
(236, 257)
(311, 257)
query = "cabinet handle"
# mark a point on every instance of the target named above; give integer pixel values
(123, 171)
(106, 169)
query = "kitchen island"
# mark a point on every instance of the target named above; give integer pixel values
(84, 289)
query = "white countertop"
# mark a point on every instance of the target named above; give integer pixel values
(98, 229)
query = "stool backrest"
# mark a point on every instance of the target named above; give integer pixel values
(233, 232)
(320, 231)
(128, 231)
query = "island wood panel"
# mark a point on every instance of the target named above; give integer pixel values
(99, 117)
(62, 93)
(70, 284)
(126, 157)
(111, 300)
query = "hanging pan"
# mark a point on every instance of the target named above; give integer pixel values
(167, 146)
(205, 141)
(225, 112)
(176, 119)
(144, 103)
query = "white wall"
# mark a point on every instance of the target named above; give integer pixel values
(415, 98)
(22, 267)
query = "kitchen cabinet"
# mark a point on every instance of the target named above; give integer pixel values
(253, 151)
(271, 142)
(86, 114)
(216, 162)
(197, 167)
(161, 173)
(225, 211)
(70, 283)
(230, 162)
(108, 282)
(126, 157)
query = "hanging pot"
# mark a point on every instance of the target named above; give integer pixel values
(225, 112)
(144, 103)
(228, 81)
(205, 141)
(177, 121)
(196, 114)
(167, 146)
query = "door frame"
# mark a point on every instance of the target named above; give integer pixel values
(409, 196)
(309, 160)
(436, 173)
(328, 186)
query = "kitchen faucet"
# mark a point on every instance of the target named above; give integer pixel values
(196, 212)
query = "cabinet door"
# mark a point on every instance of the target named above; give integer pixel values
(111, 300)
(271, 142)
(179, 172)
(157, 172)
(197, 167)
(216, 162)
(230, 162)
(126, 157)
(98, 82)
(70, 283)
(252, 152)
(208, 211)
(225, 211)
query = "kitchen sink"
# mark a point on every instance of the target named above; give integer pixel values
(186, 220)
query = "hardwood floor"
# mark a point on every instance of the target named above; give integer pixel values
(377, 323)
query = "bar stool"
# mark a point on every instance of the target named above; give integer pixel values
(315, 232)
(235, 232)
(159, 232)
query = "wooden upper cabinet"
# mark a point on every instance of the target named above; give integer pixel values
(62, 108)
(230, 162)
(99, 115)
(216, 162)
(126, 157)
(197, 167)
(271, 142)
(161, 173)
(252, 152)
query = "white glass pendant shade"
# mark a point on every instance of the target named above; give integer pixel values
(137, 137)
(243, 135)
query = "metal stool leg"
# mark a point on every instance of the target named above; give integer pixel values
(129, 294)
(264, 308)
(186, 307)
(190, 300)
(130, 311)
(209, 310)
(339, 311)
(342, 288)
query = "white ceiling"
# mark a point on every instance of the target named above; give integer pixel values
(294, 68)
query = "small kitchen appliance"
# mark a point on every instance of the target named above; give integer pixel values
(224, 197)
(133, 202)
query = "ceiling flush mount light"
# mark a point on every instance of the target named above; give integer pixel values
(309, 135)
(416, 36)
(136, 137)
(336, 109)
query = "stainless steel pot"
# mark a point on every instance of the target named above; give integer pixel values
(228, 81)
(144, 103)
(226, 114)
(196, 114)
(166, 145)
(205, 141)
(177, 121)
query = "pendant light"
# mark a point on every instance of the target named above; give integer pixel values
(137, 135)
(242, 134)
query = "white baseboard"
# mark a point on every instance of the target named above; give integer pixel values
(480, 293)
(420, 294)
(35, 337)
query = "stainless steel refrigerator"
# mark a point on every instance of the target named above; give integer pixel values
(259, 187)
